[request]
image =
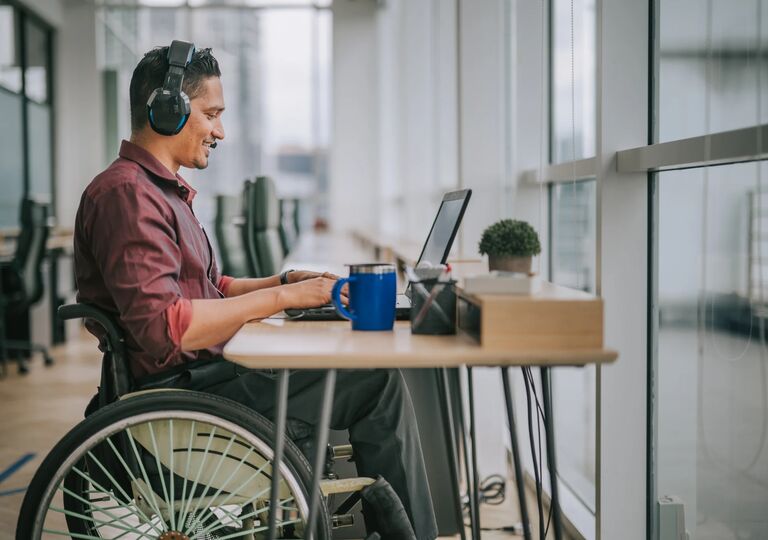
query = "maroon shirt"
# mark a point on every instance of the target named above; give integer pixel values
(142, 255)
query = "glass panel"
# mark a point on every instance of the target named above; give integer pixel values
(573, 264)
(10, 59)
(275, 68)
(39, 144)
(734, 65)
(38, 63)
(11, 160)
(712, 375)
(573, 80)
(574, 234)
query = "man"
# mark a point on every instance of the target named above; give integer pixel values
(141, 254)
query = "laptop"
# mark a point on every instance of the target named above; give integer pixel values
(435, 251)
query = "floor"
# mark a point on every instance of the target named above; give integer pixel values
(39, 408)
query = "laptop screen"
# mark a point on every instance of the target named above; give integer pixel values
(444, 228)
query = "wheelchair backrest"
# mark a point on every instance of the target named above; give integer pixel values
(116, 377)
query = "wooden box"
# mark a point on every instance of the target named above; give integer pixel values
(555, 318)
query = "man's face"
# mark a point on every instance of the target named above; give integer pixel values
(192, 145)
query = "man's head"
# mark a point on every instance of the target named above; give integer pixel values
(202, 84)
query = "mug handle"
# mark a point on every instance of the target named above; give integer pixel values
(336, 298)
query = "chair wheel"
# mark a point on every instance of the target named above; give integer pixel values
(23, 367)
(47, 360)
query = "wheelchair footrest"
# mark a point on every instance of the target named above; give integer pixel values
(344, 485)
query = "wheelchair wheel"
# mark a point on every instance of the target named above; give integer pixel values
(168, 465)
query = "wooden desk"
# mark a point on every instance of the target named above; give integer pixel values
(333, 344)
(282, 344)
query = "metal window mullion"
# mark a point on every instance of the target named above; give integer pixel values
(726, 147)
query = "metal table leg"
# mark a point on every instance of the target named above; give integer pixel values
(549, 426)
(519, 481)
(475, 494)
(465, 449)
(321, 445)
(450, 443)
(281, 408)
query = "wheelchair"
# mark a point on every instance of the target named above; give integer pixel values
(172, 465)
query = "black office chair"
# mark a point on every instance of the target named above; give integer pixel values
(230, 236)
(21, 284)
(262, 221)
(288, 229)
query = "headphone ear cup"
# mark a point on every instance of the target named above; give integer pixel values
(168, 112)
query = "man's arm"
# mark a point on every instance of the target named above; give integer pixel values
(216, 320)
(240, 286)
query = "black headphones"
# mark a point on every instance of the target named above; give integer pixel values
(168, 107)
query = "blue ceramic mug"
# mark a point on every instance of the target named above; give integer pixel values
(372, 296)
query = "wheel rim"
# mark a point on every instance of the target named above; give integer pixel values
(214, 479)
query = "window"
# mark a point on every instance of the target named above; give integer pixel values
(711, 398)
(572, 232)
(573, 80)
(712, 364)
(26, 140)
(275, 67)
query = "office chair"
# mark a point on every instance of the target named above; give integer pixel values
(229, 229)
(262, 221)
(288, 229)
(21, 284)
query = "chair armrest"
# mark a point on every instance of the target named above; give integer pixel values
(87, 311)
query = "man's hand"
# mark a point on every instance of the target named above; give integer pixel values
(303, 275)
(308, 293)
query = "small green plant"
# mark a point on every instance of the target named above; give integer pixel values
(511, 238)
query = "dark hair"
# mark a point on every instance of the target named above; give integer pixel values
(150, 74)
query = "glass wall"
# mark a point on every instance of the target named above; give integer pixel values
(26, 140)
(711, 71)
(712, 351)
(275, 67)
(711, 366)
(572, 226)
(573, 79)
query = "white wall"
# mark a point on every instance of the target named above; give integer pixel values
(78, 91)
(353, 167)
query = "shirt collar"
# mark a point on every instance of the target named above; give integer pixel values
(152, 165)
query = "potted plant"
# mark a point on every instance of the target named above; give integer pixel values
(510, 245)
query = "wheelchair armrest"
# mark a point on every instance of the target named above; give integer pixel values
(88, 311)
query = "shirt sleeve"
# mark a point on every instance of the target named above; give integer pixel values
(135, 246)
(178, 315)
(223, 284)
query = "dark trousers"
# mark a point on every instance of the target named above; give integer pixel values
(374, 405)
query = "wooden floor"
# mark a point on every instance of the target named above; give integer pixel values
(39, 408)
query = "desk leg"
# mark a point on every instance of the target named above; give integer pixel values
(321, 445)
(465, 449)
(281, 408)
(549, 425)
(516, 455)
(475, 494)
(450, 443)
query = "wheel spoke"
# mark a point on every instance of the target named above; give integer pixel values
(95, 521)
(248, 480)
(72, 535)
(188, 503)
(229, 479)
(151, 498)
(215, 473)
(88, 503)
(134, 479)
(156, 453)
(170, 474)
